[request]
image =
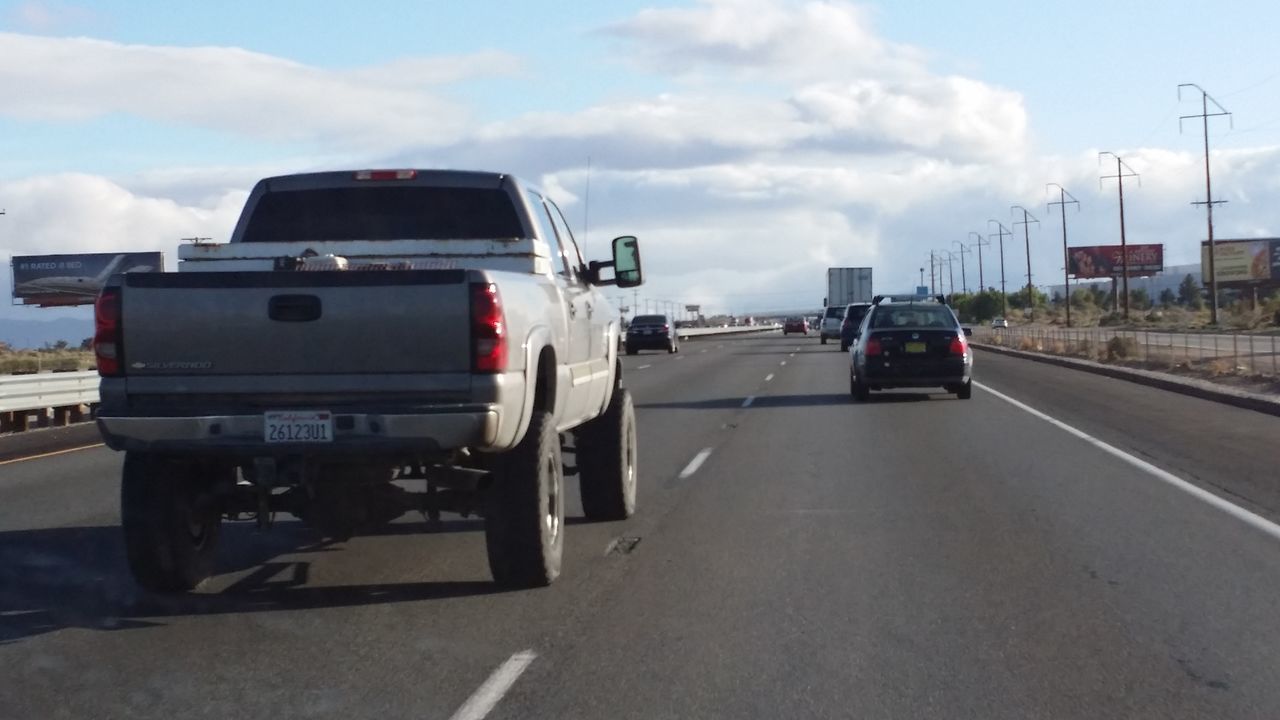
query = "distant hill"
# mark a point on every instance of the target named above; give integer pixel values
(37, 333)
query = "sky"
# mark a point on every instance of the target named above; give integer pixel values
(750, 144)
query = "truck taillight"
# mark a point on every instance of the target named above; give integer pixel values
(108, 345)
(488, 330)
(873, 347)
(386, 174)
(958, 345)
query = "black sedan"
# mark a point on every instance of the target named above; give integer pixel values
(911, 343)
(652, 332)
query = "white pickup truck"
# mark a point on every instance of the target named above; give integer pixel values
(359, 329)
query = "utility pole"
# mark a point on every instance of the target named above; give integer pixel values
(1066, 263)
(1120, 175)
(1004, 296)
(1027, 219)
(950, 272)
(1209, 202)
(982, 284)
(932, 288)
(922, 276)
(964, 283)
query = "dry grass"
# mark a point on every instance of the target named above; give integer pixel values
(27, 362)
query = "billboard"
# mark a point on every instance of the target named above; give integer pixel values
(1105, 261)
(51, 280)
(1243, 262)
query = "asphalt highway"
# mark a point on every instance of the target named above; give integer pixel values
(1062, 545)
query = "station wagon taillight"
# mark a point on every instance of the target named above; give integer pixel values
(873, 347)
(488, 330)
(958, 345)
(108, 340)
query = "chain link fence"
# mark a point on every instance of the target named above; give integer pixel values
(1220, 353)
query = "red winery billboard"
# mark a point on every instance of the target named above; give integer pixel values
(1105, 261)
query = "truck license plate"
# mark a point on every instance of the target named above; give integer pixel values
(915, 347)
(291, 426)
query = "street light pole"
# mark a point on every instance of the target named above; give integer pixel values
(1004, 295)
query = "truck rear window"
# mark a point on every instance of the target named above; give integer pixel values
(383, 213)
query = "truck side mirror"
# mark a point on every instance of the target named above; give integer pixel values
(625, 263)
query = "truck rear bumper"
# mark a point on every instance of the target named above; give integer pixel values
(353, 432)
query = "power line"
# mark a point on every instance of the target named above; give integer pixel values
(1120, 175)
(1066, 263)
(1208, 202)
(1027, 219)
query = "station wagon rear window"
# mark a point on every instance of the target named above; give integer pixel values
(383, 213)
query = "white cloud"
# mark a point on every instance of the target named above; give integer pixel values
(43, 16)
(235, 90)
(70, 213)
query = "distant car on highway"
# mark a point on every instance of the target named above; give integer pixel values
(830, 322)
(911, 343)
(999, 323)
(852, 320)
(652, 332)
(795, 325)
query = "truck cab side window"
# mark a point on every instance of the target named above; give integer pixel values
(542, 216)
(571, 252)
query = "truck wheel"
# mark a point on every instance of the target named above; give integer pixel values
(607, 461)
(524, 517)
(171, 521)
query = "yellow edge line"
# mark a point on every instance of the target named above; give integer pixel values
(50, 454)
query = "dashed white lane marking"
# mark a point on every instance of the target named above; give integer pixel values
(784, 362)
(487, 696)
(747, 403)
(701, 351)
(695, 463)
(792, 355)
(1231, 509)
(644, 367)
(679, 357)
(768, 377)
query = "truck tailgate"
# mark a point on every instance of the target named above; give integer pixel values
(296, 323)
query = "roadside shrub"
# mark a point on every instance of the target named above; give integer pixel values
(1122, 348)
(1026, 343)
(1112, 318)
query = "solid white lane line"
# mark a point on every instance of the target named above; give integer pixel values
(747, 403)
(644, 367)
(768, 377)
(1239, 513)
(487, 696)
(695, 463)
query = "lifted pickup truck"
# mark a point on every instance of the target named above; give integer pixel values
(360, 329)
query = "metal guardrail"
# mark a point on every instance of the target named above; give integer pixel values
(1253, 353)
(47, 390)
(698, 332)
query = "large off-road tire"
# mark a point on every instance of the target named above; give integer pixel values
(965, 391)
(606, 450)
(824, 339)
(844, 347)
(524, 514)
(631, 350)
(171, 519)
